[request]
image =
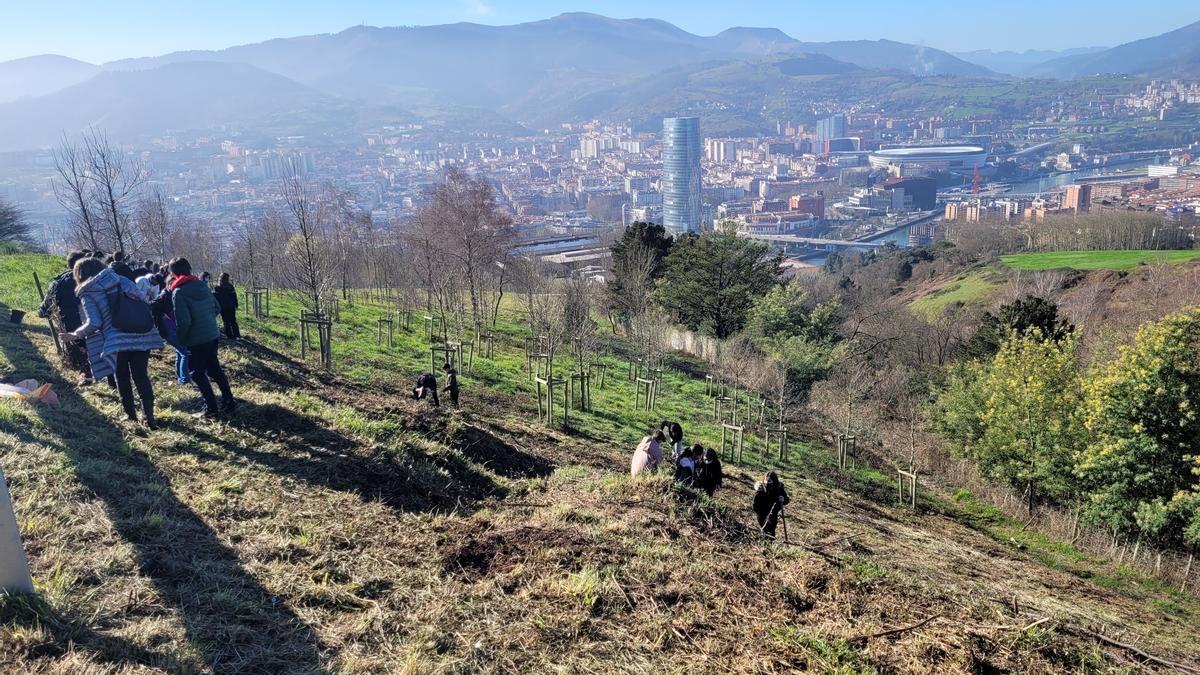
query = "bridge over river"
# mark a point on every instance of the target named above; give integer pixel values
(830, 244)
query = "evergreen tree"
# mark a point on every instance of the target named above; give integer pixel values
(711, 281)
(1017, 316)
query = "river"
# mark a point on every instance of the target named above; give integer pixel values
(1058, 181)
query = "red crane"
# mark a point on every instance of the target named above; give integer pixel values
(975, 182)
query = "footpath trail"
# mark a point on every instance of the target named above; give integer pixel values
(335, 525)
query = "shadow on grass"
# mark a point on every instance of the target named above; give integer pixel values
(232, 621)
(32, 613)
(499, 456)
(402, 477)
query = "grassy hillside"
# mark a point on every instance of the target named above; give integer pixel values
(334, 524)
(970, 288)
(1095, 260)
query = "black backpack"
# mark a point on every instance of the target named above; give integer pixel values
(130, 315)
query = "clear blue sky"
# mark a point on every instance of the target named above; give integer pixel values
(103, 30)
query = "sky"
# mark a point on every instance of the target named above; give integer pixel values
(104, 30)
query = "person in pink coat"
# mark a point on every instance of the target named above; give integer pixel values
(648, 454)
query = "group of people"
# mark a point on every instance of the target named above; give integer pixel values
(113, 314)
(427, 386)
(700, 468)
(695, 467)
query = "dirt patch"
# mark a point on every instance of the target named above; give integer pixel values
(475, 554)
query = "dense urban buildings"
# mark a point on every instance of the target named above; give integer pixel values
(830, 129)
(681, 174)
(835, 176)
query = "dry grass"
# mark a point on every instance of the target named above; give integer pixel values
(328, 528)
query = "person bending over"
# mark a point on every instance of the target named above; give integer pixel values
(769, 499)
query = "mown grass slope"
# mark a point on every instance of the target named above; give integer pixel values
(334, 524)
(1120, 261)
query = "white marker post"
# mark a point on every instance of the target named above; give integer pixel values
(14, 568)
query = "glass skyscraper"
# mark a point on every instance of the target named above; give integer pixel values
(681, 183)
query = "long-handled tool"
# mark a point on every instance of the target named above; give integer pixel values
(53, 331)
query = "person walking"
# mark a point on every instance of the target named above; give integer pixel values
(426, 384)
(451, 383)
(164, 318)
(196, 327)
(112, 311)
(709, 474)
(648, 454)
(62, 304)
(227, 298)
(769, 499)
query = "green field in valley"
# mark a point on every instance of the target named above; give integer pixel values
(1095, 260)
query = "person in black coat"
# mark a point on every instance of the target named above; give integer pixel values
(674, 432)
(62, 304)
(426, 384)
(769, 499)
(227, 298)
(709, 474)
(451, 383)
(685, 466)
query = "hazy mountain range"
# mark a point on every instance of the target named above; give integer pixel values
(569, 67)
(39, 75)
(1176, 53)
(1020, 63)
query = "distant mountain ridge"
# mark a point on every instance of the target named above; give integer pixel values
(174, 98)
(1020, 63)
(468, 76)
(1172, 54)
(40, 75)
(481, 65)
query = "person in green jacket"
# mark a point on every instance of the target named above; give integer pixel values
(196, 313)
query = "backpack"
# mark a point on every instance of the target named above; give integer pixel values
(130, 315)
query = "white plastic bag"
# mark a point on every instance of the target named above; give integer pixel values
(30, 391)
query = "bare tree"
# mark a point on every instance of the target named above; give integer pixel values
(578, 303)
(13, 226)
(116, 180)
(347, 237)
(632, 301)
(547, 314)
(197, 241)
(307, 258)
(152, 220)
(463, 222)
(73, 190)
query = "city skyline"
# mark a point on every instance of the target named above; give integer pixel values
(132, 28)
